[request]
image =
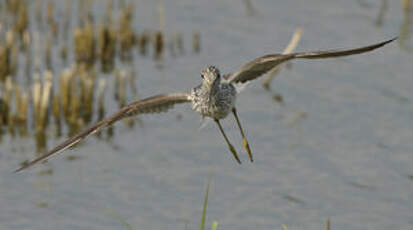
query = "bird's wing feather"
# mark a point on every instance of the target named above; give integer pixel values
(261, 65)
(155, 104)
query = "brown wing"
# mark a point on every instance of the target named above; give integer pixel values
(261, 65)
(155, 104)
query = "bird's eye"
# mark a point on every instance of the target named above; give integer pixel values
(202, 76)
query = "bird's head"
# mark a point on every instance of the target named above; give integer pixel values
(210, 75)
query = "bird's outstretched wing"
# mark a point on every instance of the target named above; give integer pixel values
(155, 104)
(261, 65)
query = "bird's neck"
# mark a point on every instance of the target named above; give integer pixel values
(212, 88)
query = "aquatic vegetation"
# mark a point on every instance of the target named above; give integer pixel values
(50, 91)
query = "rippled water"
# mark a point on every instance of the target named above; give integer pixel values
(340, 146)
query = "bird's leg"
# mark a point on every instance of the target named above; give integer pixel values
(244, 139)
(231, 148)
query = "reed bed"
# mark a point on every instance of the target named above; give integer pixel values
(48, 66)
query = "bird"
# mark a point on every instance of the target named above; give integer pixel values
(215, 97)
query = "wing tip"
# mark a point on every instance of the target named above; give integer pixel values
(390, 40)
(27, 164)
(22, 167)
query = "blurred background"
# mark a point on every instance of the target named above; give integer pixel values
(331, 138)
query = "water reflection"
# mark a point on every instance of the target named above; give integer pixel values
(63, 97)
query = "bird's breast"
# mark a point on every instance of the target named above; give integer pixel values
(216, 106)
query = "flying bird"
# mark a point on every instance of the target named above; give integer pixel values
(214, 98)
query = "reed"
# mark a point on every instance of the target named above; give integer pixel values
(180, 43)
(48, 54)
(130, 121)
(100, 101)
(74, 121)
(39, 96)
(13, 6)
(50, 20)
(328, 224)
(4, 62)
(108, 12)
(116, 85)
(100, 98)
(2, 110)
(121, 88)
(26, 41)
(126, 34)
(64, 52)
(36, 50)
(132, 83)
(64, 89)
(87, 83)
(22, 107)
(49, 12)
(67, 19)
(158, 44)
(10, 118)
(11, 124)
(72, 101)
(22, 20)
(295, 39)
(36, 94)
(106, 48)
(39, 12)
(41, 144)
(54, 29)
(172, 46)
(406, 5)
(14, 58)
(44, 102)
(196, 42)
(142, 41)
(84, 40)
(57, 114)
(7, 99)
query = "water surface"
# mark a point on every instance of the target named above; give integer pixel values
(340, 146)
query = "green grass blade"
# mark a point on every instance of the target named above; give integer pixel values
(214, 225)
(204, 208)
(122, 221)
(328, 223)
(284, 227)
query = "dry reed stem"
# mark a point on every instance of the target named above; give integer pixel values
(158, 44)
(22, 113)
(291, 46)
(39, 12)
(100, 100)
(180, 43)
(48, 53)
(7, 98)
(36, 93)
(64, 89)
(196, 42)
(44, 103)
(4, 62)
(122, 89)
(36, 50)
(143, 42)
(57, 114)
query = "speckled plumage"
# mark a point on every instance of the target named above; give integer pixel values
(213, 98)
